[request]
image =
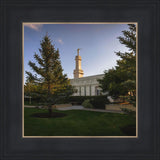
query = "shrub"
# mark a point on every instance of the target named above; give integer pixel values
(128, 111)
(130, 99)
(87, 104)
(77, 99)
(97, 101)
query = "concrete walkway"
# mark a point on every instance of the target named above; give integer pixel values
(27, 106)
(70, 108)
(87, 109)
(102, 110)
(81, 108)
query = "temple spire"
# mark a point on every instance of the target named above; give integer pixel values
(78, 51)
(78, 72)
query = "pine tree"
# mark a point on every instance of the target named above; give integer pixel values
(121, 79)
(49, 83)
(127, 63)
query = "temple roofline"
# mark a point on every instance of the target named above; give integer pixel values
(88, 76)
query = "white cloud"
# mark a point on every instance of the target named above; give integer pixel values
(60, 41)
(36, 27)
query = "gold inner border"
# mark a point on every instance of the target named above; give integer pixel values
(136, 23)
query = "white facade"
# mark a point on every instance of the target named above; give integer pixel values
(87, 86)
(84, 86)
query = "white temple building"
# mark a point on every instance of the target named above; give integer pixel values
(85, 86)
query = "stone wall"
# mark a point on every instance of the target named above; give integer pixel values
(118, 107)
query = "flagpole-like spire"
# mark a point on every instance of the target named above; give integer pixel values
(78, 72)
(78, 51)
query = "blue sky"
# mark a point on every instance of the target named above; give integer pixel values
(98, 43)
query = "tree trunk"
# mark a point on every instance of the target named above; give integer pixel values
(49, 106)
(50, 110)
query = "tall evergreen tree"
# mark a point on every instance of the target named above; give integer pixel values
(49, 83)
(121, 79)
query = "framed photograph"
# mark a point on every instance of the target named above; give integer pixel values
(90, 93)
(79, 80)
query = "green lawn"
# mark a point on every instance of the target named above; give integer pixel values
(77, 123)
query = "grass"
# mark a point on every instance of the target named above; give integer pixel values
(77, 123)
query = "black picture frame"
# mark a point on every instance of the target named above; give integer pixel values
(13, 146)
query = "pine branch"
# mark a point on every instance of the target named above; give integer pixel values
(39, 60)
(36, 69)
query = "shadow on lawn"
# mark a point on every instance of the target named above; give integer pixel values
(129, 130)
(47, 115)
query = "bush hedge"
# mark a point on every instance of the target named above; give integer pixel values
(98, 102)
